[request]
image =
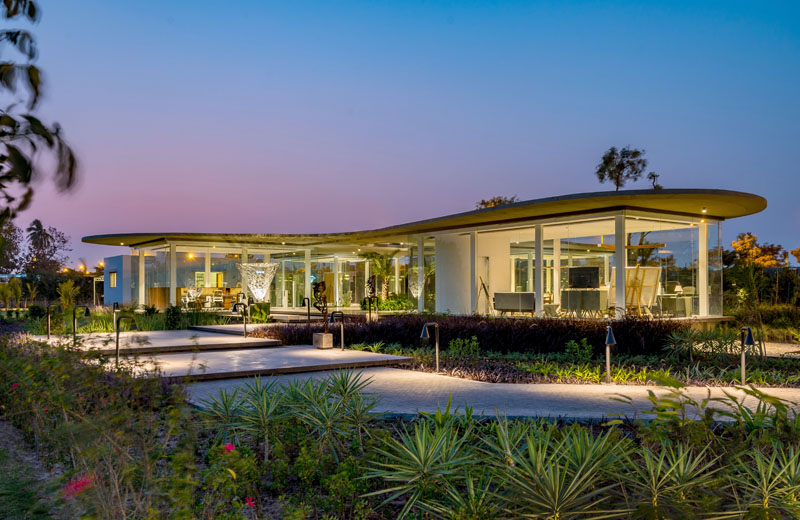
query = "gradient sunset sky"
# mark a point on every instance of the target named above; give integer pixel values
(257, 116)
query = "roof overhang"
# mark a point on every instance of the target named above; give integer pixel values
(693, 203)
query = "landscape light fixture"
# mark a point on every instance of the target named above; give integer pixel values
(114, 311)
(747, 341)
(87, 314)
(307, 303)
(426, 335)
(117, 322)
(50, 306)
(340, 315)
(244, 314)
(610, 340)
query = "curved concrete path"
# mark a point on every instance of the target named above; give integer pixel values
(408, 392)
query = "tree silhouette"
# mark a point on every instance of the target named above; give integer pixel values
(22, 134)
(499, 200)
(621, 166)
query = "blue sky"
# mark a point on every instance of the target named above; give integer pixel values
(248, 116)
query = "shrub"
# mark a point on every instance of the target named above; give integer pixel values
(578, 352)
(36, 312)
(634, 335)
(465, 348)
(174, 318)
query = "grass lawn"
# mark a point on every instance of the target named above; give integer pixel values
(19, 492)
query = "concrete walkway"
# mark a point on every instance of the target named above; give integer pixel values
(158, 341)
(408, 392)
(272, 361)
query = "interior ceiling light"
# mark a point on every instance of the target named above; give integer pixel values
(704, 210)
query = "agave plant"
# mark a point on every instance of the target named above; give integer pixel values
(347, 383)
(359, 414)
(262, 411)
(562, 479)
(421, 464)
(763, 486)
(314, 404)
(474, 499)
(669, 484)
(222, 413)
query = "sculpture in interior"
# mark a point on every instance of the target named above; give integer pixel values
(321, 302)
(258, 278)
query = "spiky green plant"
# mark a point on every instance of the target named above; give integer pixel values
(261, 411)
(670, 483)
(222, 414)
(762, 488)
(562, 478)
(422, 463)
(474, 499)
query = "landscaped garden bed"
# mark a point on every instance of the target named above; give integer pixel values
(130, 447)
(635, 336)
(562, 351)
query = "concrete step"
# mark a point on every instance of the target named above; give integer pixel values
(292, 359)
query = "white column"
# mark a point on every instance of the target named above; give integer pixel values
(702, 269)
(620, 261)
(397, 275)
(513, 276)
(473, 271)
(142, 280)
(307, 286)
(366, 278)
(243, 260)
(538, 273)
(421, 273)
(557, 271)
(336, 281)
(283, 283)
(207, 256)
(530, 272)
(173, 273)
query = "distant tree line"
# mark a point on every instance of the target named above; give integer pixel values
(39, 253)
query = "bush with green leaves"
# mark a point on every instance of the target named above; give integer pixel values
(315, 447)
(464, 348)
(578, 352)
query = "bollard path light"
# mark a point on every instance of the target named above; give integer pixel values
(747, 341)
(426, 335)
(87, 314)
(114, 311)
(610, 340)
(340, 315)
(116, 323)
(50, 306)
(307, 304)
(245, 310)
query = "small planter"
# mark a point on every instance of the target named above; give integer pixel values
(322, 340)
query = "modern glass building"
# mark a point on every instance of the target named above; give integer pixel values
(647, 252)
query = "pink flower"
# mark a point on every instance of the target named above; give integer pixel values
(13, 386)
(77, 486)
(228, 448)
(249, 501)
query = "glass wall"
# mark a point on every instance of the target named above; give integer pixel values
(352, 282)
(288, 287)
(715, 268)
(579, 263)
(224, 273)
(156, 276)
